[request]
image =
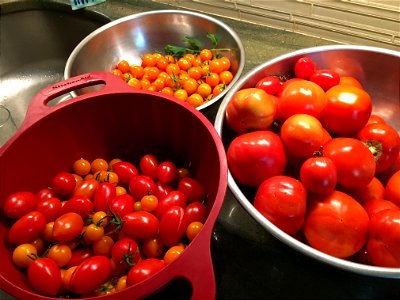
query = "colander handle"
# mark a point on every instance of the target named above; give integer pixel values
(107, 82)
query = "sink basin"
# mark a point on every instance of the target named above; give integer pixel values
(36, 39)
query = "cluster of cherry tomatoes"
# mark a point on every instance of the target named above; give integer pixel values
(193, 78)
(318, 164)
(103, 226)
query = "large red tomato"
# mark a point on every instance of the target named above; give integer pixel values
(348, 109)
(255, 156)
(27, 228)
(355, 164)
(143, 270)
(44, 276)
(336, 224)
(20, 203)
(384, 140)
(384, 238)
(250, 109)
(282, 200)
(302, 97)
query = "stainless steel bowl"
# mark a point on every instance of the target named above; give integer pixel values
(378, 70)
(133, 36)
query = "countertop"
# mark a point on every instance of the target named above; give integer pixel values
(250, 263)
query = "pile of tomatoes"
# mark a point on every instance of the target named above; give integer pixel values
(104, 225)
(192, 78)
(317, 163)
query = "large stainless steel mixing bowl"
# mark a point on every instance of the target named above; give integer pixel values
(133, 36)
(378, 70)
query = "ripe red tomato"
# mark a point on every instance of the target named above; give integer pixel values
(192, 188)
(20, 203)
(373, 206)
(302, 97)
(196, 211)
(44, 276)
(255, 156)
(385, 142)
(27, 228)
(79, 204)
(325, 78)
(173, 198)
(162, 190)
(148, 166)
(384, 238)
(166, 172)
(141, 185)
(125, 252)
(173, 225)
(103, 195)
(45, 193)
(67, 227)
(63, 184)
(282, 200)
(122, 204)
(392, 189)
(87, 187)
(90, 274)
(373, 190)
(143, 270)
(140, 225)
(250, 109)
(79, 255)
(355, 164)
(302, 135)
(270, 84)
(304, 67)
(125, 171)
(50, 208)
(347, 111)
(318, 174)
(336, 224)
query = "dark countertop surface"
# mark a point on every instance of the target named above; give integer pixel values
(250, 263)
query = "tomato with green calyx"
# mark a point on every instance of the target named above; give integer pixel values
(250, 109)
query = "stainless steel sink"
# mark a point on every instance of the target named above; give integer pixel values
(36, 38)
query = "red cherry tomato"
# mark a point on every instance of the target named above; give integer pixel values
(20, 203)
(173, 226)
(122, 205)
(385, 142)
(148, 166)
(90, 274)
(167, 172)
(304, 67)
(44, 276)
(67, 227)
(50, 208)
(87, 187)
(27, 228)
(270, 84)
(141, 185)
(125, 171)
(318, 174)
(347, 111)
(45, 193)
(247, 159)
(355, 164)
(162, 190)
(325, 78)
(143, 270)
(125, 252)
(384, 238)
(250, 109)
(196, 211)
(302, 97)
(336, 224)
(63, 184)
(282, 200)
(173, 198)
(79, 204)
(140, 225)
(103, 195)
(79, 255)
(193, 189)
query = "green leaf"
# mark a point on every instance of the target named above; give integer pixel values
(213, 39)
(194, 43)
